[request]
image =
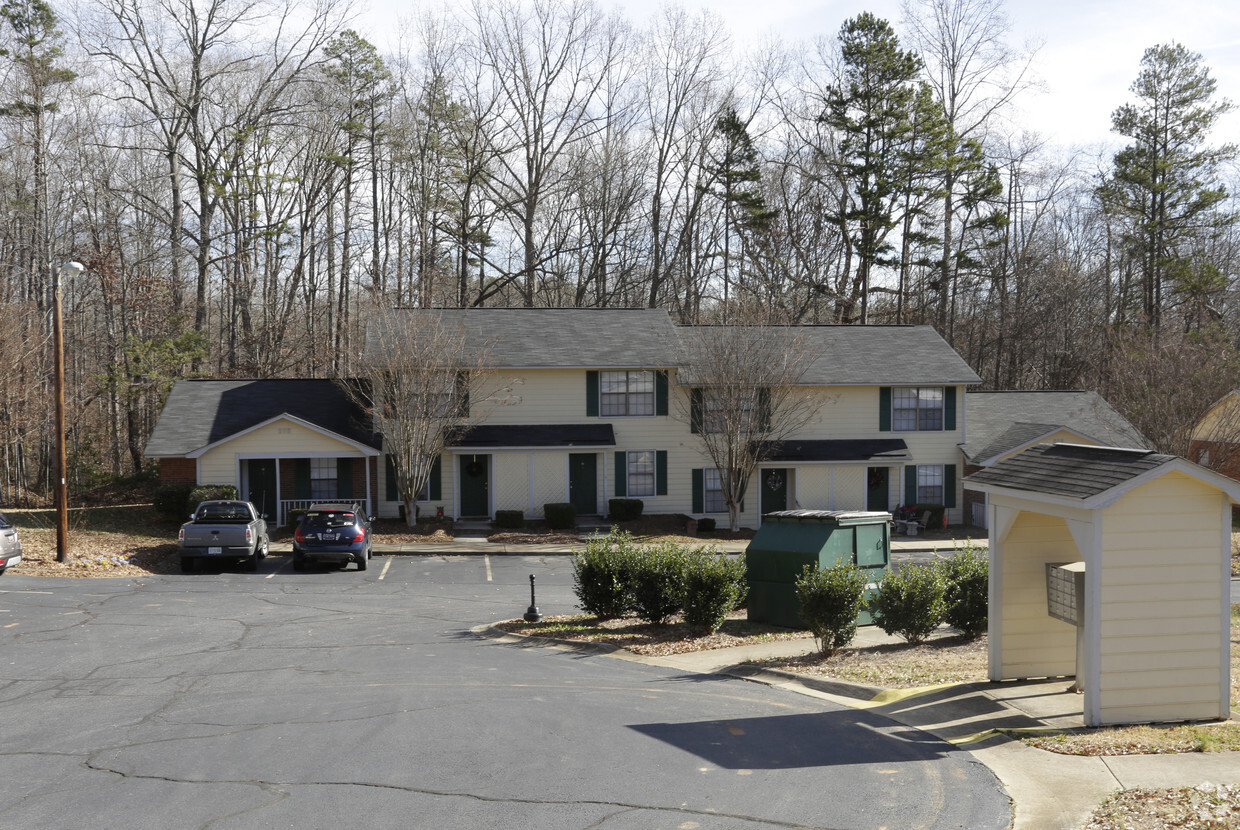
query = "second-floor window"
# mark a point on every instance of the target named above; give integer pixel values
(917, 409)
(626, 393)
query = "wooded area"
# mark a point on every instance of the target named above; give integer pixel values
(243, 178)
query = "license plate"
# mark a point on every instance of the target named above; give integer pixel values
(214, 551)
(327, 537)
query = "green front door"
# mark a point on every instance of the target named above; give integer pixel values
(877, 490)
(583, 482)
(475, 486)
(261, 481)
(774, 485)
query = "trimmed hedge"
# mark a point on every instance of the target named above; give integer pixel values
(967, 579)
(171, 500)
(909, 602)
(602, 575)
(830, 600)
(510, 519)
(211, 492)
(714, 586)
(624, 510)
(657, 581)
(560, 515)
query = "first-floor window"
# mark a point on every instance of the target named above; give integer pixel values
(930, 484)
(714, 501)
(322, 478)
(641, 472)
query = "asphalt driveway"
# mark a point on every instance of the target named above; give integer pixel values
(338, 698)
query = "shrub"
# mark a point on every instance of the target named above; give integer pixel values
(966, 577)
(714, 586)
(658, 581)
(211, 492)
(510, 519)
(909, 602)
(602, 575)
(172, 500)
(294, 517)
(830, 599)
(624, 510)
(706, 525)
(560, 515)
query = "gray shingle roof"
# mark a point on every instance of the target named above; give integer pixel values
(999, 422)
(842, 449)
(1069, 470)
(558, 338)
(201, 412)
(538, 435)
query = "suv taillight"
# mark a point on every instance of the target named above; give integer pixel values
(361, 535)
(298, 536)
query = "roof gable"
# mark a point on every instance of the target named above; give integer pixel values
(199, 413)
(1001, 422)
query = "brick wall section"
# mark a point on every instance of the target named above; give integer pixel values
(288, 479)
(178, 471)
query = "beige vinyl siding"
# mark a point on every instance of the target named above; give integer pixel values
(1034, 644)
(278, 439)
(1162, 631)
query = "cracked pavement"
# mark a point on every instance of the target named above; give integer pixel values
(316, 699)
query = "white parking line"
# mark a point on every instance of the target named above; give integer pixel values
(486, 557)
(49, 593)
(386, 565)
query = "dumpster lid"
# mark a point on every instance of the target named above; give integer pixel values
(835, 516)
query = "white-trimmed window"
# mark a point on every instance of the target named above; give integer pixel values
(626, 393)
(642, 465)
(323, 477)
(745, 406)
(930, 484)
(1203, 456)
(917, 409)
(713, 500)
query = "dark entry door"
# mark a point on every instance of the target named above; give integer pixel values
(583, 482)
(475, 485)
(877, 490)
(774, 490)
(261, 479)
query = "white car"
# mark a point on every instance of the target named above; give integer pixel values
(10, 545)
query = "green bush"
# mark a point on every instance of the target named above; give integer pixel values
(211, 492)
(560, 515)
(706, 525)
(830, 599)
(909, 602)
(966, 577)
(510, 519)
(714, 585)
(602, 575)
(172, 500)
(294, 517)
(624, 510)
(657, 586)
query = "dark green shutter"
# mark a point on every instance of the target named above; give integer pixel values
(949, 485)
(391, 491)
(884, 409)
(764, 409)
(344, 478)
(695, 410)
(301, 478)
(462, 394)
(622, 475)
(660, 473)
(699, 490)
(660, 393)
(910, 485)
(949, 408)
(591, 394)
(435, 484)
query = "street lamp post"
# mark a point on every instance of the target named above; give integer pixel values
(66, 271)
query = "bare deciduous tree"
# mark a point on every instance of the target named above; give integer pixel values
(745, 395)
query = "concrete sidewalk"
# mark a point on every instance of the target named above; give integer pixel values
(1049, 791)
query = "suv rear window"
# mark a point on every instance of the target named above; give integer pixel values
(330, 520)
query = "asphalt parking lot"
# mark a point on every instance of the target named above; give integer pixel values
(328, 698)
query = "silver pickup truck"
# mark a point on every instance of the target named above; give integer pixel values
(224, 531)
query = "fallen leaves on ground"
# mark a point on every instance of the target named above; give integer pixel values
(944, 658)
(1204, 807)
(95, 553)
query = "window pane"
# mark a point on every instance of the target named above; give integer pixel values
(612, 404)
(714, 501)
(930, 484)
(904, 410)
(322, 468)
(641, 473)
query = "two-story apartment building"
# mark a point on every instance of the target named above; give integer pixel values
(594, 409)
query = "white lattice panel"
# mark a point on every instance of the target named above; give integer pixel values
(813, 488)
(510, 483)
(550, 480)
(850, 488)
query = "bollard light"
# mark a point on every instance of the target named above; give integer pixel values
(531, 613)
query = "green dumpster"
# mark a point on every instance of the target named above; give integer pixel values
(791, 539)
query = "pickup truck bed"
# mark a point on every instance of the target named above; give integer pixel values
(223, 531)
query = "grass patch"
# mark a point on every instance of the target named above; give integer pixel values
(1144, 739)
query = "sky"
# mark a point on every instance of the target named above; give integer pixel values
(1090, 50)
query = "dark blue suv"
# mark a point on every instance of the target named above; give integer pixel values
(334, 532)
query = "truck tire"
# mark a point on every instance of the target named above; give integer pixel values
(187, 565)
